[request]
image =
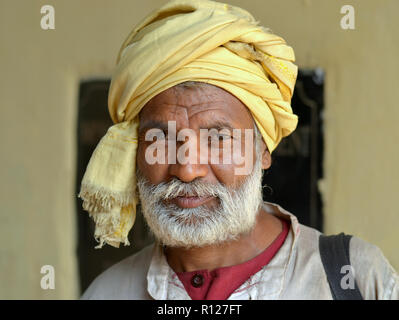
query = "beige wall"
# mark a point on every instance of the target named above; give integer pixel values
(40, 73)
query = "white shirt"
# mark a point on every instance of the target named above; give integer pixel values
(295, 272)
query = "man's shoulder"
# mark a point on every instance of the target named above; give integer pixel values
(374, 275)
(124, 280)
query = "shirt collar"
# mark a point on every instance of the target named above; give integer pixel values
(161, 277)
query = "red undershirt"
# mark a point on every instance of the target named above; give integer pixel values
(220, 283)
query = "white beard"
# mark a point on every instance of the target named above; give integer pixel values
(173, 226)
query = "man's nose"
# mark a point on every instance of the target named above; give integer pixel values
(188, 172)
(188, 167)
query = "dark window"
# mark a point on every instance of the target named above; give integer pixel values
(93, 122)
(297, 161)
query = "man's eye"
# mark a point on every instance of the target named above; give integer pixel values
(220, 138)
(153, 135)
(223, 137)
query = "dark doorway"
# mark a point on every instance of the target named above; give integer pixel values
(292, 179)
(296, 167)
(93, 122)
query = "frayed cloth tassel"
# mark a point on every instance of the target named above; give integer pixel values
(113, 213)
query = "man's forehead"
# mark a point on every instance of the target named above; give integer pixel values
(196, 107)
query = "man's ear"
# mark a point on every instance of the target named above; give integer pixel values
(266, 156)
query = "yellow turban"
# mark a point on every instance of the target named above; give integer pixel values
(185, 40)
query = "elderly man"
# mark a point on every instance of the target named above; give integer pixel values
(200, 98)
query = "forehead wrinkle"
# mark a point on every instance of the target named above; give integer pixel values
(186, 106)
(194, 113)
(179, 111)
(174, 113)
(213, 118)
(182, 113)
(194, 104)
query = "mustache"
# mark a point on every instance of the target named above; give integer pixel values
(177, 188)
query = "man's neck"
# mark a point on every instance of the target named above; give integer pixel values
(246, 247)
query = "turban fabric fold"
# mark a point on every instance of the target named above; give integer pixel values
(185, 40)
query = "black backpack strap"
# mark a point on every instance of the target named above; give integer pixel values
(334, 252)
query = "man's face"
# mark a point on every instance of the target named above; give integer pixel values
(196, 203)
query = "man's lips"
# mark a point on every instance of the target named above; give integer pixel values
(190, 202)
